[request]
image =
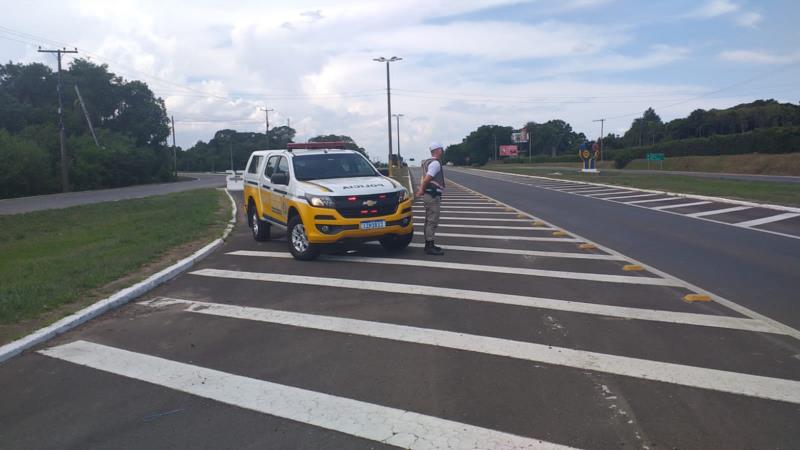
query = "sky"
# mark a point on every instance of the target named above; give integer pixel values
(465, 63)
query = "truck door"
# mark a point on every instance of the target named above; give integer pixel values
(266, 186)
(278, 196)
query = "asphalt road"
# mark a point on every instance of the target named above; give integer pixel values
(516, 338)
(65, 200)
(716, 175)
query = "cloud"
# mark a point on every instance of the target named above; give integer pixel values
(749, 19)
(714, 8)
(758, 57)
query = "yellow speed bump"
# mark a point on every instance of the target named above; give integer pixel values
(632, 268)
(521, 216)
(691, 298)
(559, 233)
(509, 209)
(538, 223)
(587, 246)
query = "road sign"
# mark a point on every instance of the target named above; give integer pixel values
(655, 157)
(509, 150)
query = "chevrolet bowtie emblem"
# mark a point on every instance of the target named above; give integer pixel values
(370, 203)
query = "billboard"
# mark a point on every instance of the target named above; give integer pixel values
(519, 137)
(508, 150)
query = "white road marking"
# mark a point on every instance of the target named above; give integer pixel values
(623, 312)
(514, 251)
(510, 238)
(405, 429)
(641, 280)
(652, 200)
(478, 219)
(680, 205)
(465, 207)
(489, 227)
(616, 192)
(450, 211)
(697, 377)
(602, 192)
(584, 190)
(718, 211)
(630, 196)
(766, 220)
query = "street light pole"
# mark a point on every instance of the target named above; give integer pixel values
(399, 159)
(388, 102)
(266, 116)
(602, 122)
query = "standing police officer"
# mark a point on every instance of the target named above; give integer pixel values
(431, 189)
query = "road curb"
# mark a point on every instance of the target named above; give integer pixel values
(652, 191)
(118, 299)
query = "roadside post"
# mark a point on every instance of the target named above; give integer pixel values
(589, 157)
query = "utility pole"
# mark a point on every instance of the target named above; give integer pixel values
(288, 122)
(389, 102)
(61, 132)
(398, 116)
(86, 114)
(174, 148)
(495, 153)
(266, 115)
(602, 122)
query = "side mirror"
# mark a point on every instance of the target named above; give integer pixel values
(383, 171)
(280, 178)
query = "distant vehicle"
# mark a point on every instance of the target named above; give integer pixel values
(322, 194)
(450, 163)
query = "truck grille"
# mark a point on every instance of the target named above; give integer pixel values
(374, 205)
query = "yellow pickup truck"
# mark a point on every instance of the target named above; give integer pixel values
(324, 196)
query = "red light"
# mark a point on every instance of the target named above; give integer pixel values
(352, 199)
(382, 196)
(364, 211)
(374, 211)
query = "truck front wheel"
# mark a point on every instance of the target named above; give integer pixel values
(393, 242)
(299, 245)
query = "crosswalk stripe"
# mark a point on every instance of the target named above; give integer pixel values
(514, 251)
(650, 281)
(477, 219)
(630, 196)
(623, 312)
(464, 207)
(601, 191)
(718, 211)
(697, 377)
(653, 200)
(680, 205)
(451, 211)
(585, 190)
(509, 238)
(766, 220)
(488, 227)
(404, 429)
(616, 192)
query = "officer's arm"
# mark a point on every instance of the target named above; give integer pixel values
(423, 184)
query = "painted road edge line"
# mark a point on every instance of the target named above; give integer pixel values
(759, 386)
(117, 299)
(581, 276)
(401, 428)
(514, 251)
(624, 312)
(780, 328)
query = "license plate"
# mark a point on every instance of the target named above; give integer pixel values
(373, 224)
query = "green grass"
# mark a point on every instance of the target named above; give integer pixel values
(400, 174)
(51, 258)
(758, 191)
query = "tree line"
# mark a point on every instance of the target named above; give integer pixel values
(701, 131)
(131, 124)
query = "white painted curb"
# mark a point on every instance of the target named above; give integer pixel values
(650, 191)
(117, 299)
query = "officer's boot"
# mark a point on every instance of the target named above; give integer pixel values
(432, 249)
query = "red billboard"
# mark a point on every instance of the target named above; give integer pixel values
(508, 150)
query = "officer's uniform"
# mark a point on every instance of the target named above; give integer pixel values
(433, 196)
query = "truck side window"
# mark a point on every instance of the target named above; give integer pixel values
(283, 166)
(253, 168)
(270, 167)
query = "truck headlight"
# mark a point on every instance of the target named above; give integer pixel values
(402, 196)
(320, 201)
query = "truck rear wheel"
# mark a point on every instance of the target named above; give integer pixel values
(299, 245)
(260, 228)
(394, 242)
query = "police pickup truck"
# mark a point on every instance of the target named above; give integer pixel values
(323, 194)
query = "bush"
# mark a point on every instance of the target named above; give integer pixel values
(764, 140)
(25, 168)
(542, 159)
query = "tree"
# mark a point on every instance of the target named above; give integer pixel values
(554, 137)
(351, 144)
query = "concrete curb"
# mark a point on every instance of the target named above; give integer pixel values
(650, 191)
(117, 299)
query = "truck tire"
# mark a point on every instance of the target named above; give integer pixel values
(260, 228)
(394, 243)
(298, 241)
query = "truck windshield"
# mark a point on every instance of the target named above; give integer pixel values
(331, 165)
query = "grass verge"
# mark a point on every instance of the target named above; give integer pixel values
(56, 262)
(756, 191)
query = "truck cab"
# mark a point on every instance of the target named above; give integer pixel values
(323, 195)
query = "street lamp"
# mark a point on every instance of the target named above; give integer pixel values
(388, 102)
(399, 160)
